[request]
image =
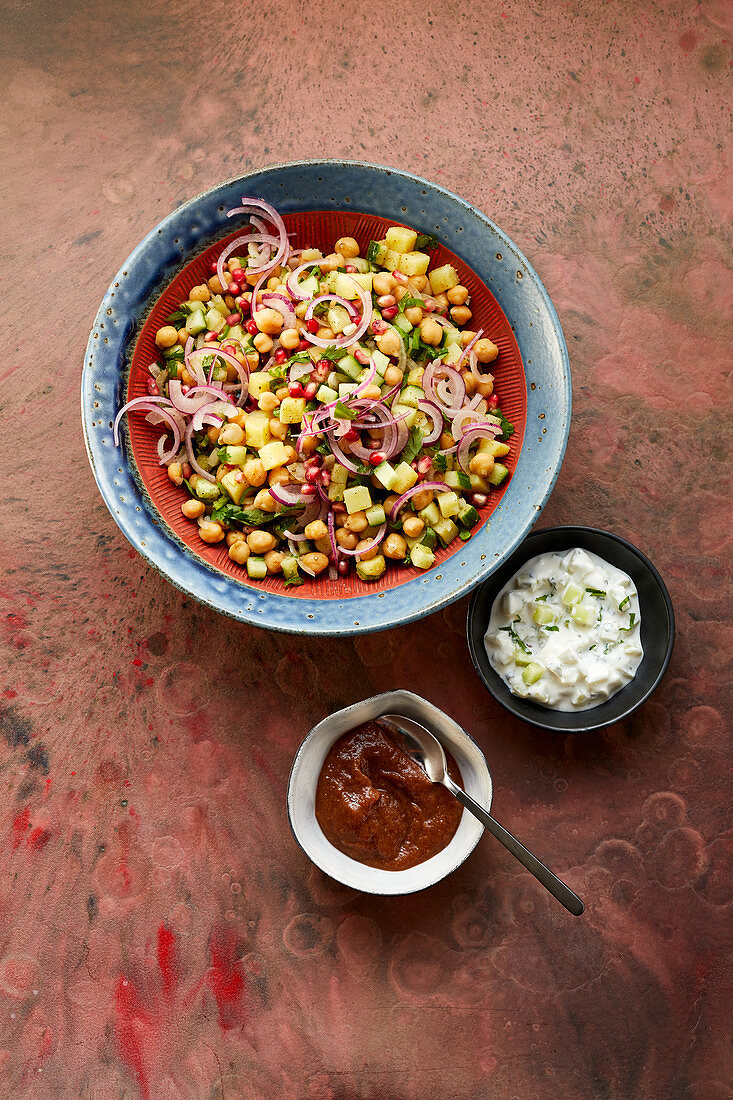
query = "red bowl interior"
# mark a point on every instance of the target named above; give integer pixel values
(318, 229)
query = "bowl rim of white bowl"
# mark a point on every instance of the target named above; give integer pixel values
(306, 768)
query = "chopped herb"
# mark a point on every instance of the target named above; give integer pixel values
(222, 453)
(323, 448)
(176, 352)
(178, 318)
(596, 592)
(299, 357)
(426, 240)
(333, 354)
(227, 513)
(440, 463)
(407, 302)
(223, 331)
(413, 446)
(623, 603)
(632, 620)
(464, 480)
(552, 628)
(320, 309)
(278, 372)
(294, 581)
(590, 647)
(507, 428)
(187, 483)
(541, 599)
(515, 637)
(342, 412)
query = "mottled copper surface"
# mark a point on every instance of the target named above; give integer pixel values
(162, 937)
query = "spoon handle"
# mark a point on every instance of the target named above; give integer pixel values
(549, 880)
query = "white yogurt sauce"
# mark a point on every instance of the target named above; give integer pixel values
(564, 631)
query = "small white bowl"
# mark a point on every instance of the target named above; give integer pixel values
(304, 778)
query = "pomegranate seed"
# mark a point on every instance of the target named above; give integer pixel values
(212, 267)
(493, 401)
(152, 388)
(324, 364)
(312, 475)
(238, 274)
(390, 313)
(429, 305)
(304, 345)
(315, 460)
(352, 435)
(295, 389)
(312, 325)
(385, 300)
(325, 477)
(185, 389)
(378, 326)
(399, 276)
(343, 568)
(320, 373)
(361, 356)
(233, 319)
(338, 507)
(373, 444)
(310, 391)
(377, 458)
(252, 328)
(234, 288)
(210, 336)
(414, 465)
(280, 355)
(229, 349)
(308, 490)
(424, 464)
(350, 268)
(479, 500)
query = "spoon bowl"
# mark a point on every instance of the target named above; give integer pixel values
(426, 750)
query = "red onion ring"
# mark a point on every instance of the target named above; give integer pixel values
(370, 545)
(282, 305)
(149, 404)
(330, 523)
(431, 409)
(346, 341)
(285, 495)
(484, 430)
(292, 282)
(419, 488)
(342, 459)
(192, 457)
(468, 348)
(193, 400)
(488, 377)
(330, 298)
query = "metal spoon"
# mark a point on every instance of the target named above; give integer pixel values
(425, 749)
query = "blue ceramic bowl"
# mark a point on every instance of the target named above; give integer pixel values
(331, 185)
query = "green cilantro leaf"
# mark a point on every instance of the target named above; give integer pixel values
(343, 412)
(426, 240)
(623, 603)
(507, 428)
(407, 302)
(413, 446)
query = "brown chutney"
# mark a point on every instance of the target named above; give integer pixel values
(376, 805)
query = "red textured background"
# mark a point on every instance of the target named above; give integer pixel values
(161, 936)
(320, 229)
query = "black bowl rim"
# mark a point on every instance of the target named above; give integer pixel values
(521, 555)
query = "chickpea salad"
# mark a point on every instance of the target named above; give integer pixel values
(326, 413)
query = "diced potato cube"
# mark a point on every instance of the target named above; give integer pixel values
(443, 278)
(446, 531)
(415, 376)
(273, 455)
(339, 479)
(259, 382)
(401, 239)
(214, 320)
(371, 570)
(406, 413)
(405, 479)
(235, 484)
(493, 447)
(292, 409)
(343, 284)
(422, 557)
(391, 260)
(385, 474)
(257, 429)
(449, 504)
(414, 263)
(338, 318)
(357, 498)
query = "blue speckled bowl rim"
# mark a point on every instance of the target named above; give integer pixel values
(606, 713)
(150, 267)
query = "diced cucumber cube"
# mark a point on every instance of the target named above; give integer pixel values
(542, 615)
(498, 474)
(521, 659)
(371, 570)
(406, 413)
(290, 567)
(402, 323)
(382, 362)
(429, 538)
(456, 479)
(583, 613)
(195, 323)
(446, 531)
(206, 490)
(386, 474)
(430, 515)
(346, 389)
(235, 456)
(214, 320)
(347, 364)
(411, 395)
(571, 595)
(375, 515)
(532, 673)
(325, 395)
(468, 517)
(256, 568)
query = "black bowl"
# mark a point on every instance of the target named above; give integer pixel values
(657, 628)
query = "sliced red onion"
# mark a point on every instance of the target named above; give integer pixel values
(285, 495)
(147, 403)
(295, 536)
(460, 419)
(330, 523)
(167, 457)
(263, 237)
(468, 348)
(452, 377)
(346, 341)
(330, 298)
(299, 370)
(369, 546)
(292, 282)
(192, 457)
(213, 414)
(342, 459)
(283, 306)
(488, 377)
(196, 396)
(431, 410)
(243, 371)
(306, 568)
(485, 430)
(419, 488)
(250, 206)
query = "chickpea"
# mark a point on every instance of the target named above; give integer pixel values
(215, 286)
(363, 554)
(481, 464)
(291, 455)
(273, 283)
(345, 538)
(274, 561)
(467, 336)
(332, 262)
(315, 561)
(175, 473)
(461, 314)
(232, 434)
(420, 282)
(400, 292)
(393, 376)
(383, 283)
(278, 476)
(414, 315)
(486, 386)
(260, 542)
(325, 333)
(166, 337)
(348, 247)
(254, 471)
(372, 392)
(422, 499)
(308, 444)
(281, 394)
(278, 430)
(446, 440)
(269, 321)
(316, 530)
(182, 337)
(234, 536)
(186, 378)
(395, 547)
(457, 295)
(289, 338)
(469, 381)
(240, 418)
(265, 501)
(211, 532)
(357, 522)
(390, 502)
(212, 434)
(486, 351)
(221, 472)
(239, 551)
(310, 254)
(300, 310)
(267, 402)
(200, 294)
(413, 527)
(389, 342)
(263, 343)
(430, 332)
(230, 301)
(192, 509)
